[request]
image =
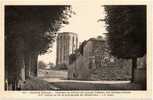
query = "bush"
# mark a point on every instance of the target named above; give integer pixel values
(41, 65)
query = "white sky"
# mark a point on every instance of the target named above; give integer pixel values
(84, 23)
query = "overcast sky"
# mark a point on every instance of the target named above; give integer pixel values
(84, 23)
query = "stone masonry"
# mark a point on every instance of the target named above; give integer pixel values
(67, 43)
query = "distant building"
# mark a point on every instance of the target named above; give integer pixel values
(97, 51)
(67, 43)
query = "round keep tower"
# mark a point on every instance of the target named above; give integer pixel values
(67, 43)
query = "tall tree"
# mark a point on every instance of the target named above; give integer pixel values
(30, 31)
(126, 26)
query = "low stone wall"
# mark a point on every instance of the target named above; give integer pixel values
(111, 73)
(140, 76)
(81, 70)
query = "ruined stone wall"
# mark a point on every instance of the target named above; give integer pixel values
(79, 69)
(97, 63)
(122, 71)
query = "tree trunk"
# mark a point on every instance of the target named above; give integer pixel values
(10, 66)
(35, 65)
(16, 67)
(34, 60)
(134, 66)
(27, 64)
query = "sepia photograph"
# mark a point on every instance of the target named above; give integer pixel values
(75, 47)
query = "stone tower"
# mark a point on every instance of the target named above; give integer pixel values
(67, 43)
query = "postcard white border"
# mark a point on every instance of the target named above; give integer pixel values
(120, 94)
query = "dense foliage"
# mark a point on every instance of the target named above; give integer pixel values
(126, 26)
(35, 24)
